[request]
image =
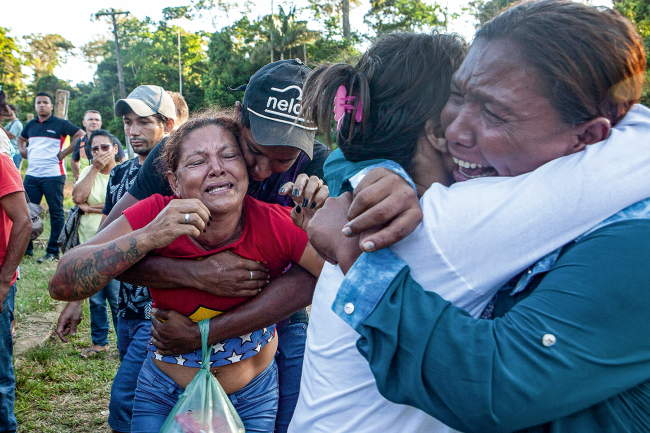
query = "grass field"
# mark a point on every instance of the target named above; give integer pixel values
(56, 390)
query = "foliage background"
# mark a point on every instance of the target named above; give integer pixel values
(211, 61)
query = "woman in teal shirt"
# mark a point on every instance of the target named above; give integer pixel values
(568, 349)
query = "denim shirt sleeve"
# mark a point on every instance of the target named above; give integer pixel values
(365, 285)
(372, 273)
(390, 165)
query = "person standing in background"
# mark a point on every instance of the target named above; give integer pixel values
(46, 172)
(81, 155)
(13, 130)
(90, 194)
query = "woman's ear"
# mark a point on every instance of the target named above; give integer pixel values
(440, 144)
(592, 132)
(173, 182)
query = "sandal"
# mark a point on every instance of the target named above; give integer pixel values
(90, 352)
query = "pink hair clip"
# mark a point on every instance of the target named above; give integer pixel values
(342, 104)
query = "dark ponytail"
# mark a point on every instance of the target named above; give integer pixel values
(402, 80)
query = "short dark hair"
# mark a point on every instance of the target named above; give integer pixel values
(42, 93)
(244, 117)
(182, 112)
(160, 118)
(590, 61)
(403, 81)
(103, 133)
(13, 108)
(171, 153)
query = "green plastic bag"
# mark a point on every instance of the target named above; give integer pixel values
(204, 407)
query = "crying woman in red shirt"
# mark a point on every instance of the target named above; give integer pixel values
(210, 212)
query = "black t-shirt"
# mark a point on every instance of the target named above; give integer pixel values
(76, 153)
(122, 177)
(152, 178)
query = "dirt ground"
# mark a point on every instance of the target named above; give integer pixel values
(38, 328)
(35, 330)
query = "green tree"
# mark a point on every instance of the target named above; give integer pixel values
(331, 45)
(638, 11)
(175, 13)
(216, 7)
(403, 15)
(46, 53)
(228, 67)
(284, 34)
(149, 56)
(11, 60)
(484, 11)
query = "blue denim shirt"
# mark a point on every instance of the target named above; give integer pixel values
(341, 176)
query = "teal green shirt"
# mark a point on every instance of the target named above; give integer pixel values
(339, 170)
(569, 354)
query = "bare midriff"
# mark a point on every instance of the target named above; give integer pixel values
(232, 377)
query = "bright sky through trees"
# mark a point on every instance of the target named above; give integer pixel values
(71, 19)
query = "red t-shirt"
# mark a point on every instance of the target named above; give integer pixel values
(10, 182)
(269, 237)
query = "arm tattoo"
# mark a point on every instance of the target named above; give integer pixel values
(83, 277)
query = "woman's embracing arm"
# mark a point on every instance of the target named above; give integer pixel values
(86, 269)
(311, 261)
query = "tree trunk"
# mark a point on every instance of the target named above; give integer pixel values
(272, 55)
(281, 55)
(304, 53)
(346, 18)
(62, 100)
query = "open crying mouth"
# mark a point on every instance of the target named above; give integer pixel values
(218, 188)
(474, 170)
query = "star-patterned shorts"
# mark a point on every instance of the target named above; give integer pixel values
(224, 353)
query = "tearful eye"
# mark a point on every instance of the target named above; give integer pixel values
(456, 97)
(195, 163)
(493, 118)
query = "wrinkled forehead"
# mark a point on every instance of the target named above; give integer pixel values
(93, 116)
(496, 69)
(209, 139)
